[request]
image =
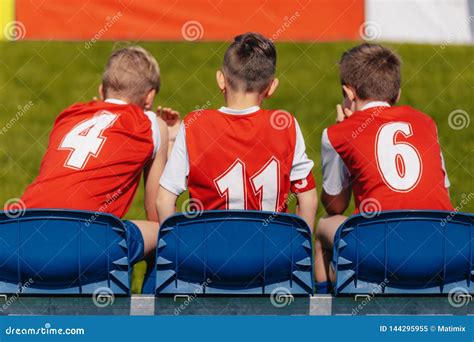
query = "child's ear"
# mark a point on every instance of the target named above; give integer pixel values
(150, 97)
(101, 92)
(220, 78)
(273, 87)
(399, 94)
(349, 92)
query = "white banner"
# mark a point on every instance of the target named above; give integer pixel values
(421, 21)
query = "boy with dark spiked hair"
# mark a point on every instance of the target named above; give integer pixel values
(241, 156)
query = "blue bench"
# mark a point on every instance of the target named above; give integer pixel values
(62, 252)
(233, 252)
(405, 252)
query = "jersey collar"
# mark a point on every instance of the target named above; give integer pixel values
(375, 104)
(116, 101)
(245, 111)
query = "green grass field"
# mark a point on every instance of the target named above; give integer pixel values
(49, 76)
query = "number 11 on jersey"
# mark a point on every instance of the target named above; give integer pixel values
(232, 185)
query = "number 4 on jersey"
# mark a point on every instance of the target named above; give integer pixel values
(86, 140)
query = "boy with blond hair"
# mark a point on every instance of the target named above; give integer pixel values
(98, 150)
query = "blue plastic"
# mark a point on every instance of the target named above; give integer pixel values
(233, 252)
(54, 251)
(405, 252)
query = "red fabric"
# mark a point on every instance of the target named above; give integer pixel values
(107, 180)
(303, 185)
(356, 141)
(221, 145)
(320, 20)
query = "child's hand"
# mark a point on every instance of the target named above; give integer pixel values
(343, 113)
(172, 119)
(346, 109)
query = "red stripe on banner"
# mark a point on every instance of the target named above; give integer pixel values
(323, 20)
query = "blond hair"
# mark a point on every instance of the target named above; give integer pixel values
(131, 73)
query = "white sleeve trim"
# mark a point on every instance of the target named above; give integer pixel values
(335, 173)
(302, 165)
(155, 130)
(175, 174)
(447, 183)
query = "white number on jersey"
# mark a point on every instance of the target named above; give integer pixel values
(399, 163)
(232, 185)
(86, 140)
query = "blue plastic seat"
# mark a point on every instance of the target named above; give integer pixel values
(56, 251)
(233, 252)
(405, 252)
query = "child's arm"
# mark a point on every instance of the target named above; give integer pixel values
(307, 206)
(173, 120)
(166, 204)
(153, 173)
(307, 199)
(173, 182)
(336, 192)
(336, 204)
(302, 181)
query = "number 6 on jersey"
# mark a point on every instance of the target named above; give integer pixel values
(399, 163)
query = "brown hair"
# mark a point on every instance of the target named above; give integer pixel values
(131, 73)
(373, 71)
(250, 62)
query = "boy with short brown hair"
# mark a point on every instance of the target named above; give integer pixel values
(388, 156)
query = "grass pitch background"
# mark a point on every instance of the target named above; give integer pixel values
(46, 77)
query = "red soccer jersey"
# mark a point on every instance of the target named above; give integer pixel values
(243, 161)
(391, 157)
(95, 157)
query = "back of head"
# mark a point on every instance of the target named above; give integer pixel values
(250, 62)
(373, 71)
(131, 73)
